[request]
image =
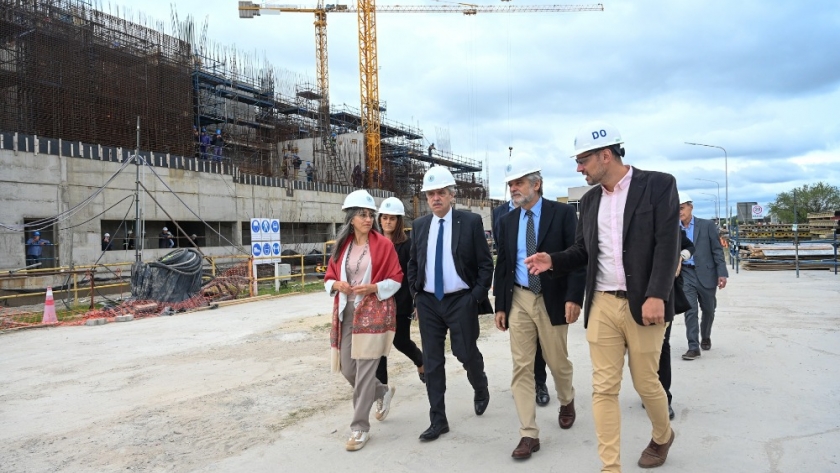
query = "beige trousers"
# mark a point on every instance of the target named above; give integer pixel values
(528, 322)
(611, 333)
(361, 374)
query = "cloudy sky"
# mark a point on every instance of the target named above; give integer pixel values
(759, 78)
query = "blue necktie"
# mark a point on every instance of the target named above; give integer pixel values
(439, 263)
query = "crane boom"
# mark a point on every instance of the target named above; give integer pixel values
(368, 68)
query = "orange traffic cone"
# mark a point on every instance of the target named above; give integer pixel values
(49, 309)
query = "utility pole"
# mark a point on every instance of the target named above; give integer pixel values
(138, 237)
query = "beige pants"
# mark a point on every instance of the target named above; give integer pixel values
(611, 333)
(529, 322)
(361, 374)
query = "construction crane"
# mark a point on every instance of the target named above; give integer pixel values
(368, 68)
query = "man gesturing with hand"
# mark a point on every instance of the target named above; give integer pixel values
(628, 240)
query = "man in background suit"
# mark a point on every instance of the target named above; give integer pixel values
(703, 274)
(540, 376)
(628, 239)
(449, 276)
(536, 309)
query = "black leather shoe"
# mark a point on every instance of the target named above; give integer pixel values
(543, 397)
(434, 431)
(671, 414)
(481, 399)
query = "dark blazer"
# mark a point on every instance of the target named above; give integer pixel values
(557, 232)
(681, 303)
(651, 242)
(473, 261)
(496, 217)
(708, 255)
(405, 305)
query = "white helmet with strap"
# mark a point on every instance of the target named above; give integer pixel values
(392, 206)
(437, 177)
(594, 135)
(359, 198)
(515, 171)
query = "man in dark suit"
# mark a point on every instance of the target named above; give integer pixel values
(628, 239)
(536, 309)
(449, 276)
(703, 274)
(540, 376)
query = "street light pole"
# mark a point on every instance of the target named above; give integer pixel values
(714, 199)
(718, 195)
(726, 175)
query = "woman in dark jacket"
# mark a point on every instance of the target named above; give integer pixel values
(391, 214)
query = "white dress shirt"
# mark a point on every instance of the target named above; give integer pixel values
(451, 281)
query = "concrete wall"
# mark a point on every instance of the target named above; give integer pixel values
(41, 185)
(38, 186)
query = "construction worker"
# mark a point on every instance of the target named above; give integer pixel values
(34, 248)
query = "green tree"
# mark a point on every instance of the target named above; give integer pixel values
(820, 197)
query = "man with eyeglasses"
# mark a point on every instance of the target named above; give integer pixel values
(628, 239)
(449, 276)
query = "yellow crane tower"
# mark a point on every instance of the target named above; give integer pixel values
(368, 68)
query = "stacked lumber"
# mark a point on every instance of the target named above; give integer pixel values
(822, 225)
(782, 256)
(773, 231)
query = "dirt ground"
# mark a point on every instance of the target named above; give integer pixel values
(248, 388)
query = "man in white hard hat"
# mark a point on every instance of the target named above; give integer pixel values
(628, 239)
(106, 242)
(449, 273)
(163, 238)
(703, 274)
(540, 376)
(536, 308)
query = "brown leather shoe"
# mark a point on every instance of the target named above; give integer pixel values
(526, 446)
(567, 415)
(655, 455)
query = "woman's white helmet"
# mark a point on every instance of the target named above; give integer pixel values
(594, 135)
(437, 177)
(359, 198)
(392, 206)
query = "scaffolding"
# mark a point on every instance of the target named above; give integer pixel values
(68, 70)
(71, 71)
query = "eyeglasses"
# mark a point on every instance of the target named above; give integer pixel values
(585, 158)
(364, 215)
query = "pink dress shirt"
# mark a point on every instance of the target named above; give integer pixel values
(610, 276)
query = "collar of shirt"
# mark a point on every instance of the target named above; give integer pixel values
(622, 183)
(689, 232)
(446, 218)
(511, 207)
(521, 241)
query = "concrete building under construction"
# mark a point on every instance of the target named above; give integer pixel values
(73, 82)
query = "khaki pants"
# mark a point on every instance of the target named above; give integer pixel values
(611, 332)
(361, 374)
(528, 322)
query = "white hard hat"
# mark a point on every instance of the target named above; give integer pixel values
(392, 206)
(516, 171)
(107, 234)
(684, 198)
(359, 198)
(437, 177)
(594, 135)
(165, 229)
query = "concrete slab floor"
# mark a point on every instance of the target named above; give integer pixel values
(248, 388)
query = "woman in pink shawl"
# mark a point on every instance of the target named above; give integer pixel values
(363, 275)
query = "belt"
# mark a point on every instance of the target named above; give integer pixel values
(687, 265)
(450, 294)
(618, 294)
(520, 286)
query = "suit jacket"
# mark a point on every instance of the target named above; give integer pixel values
(496, 217)
(708, 254)
(470, 252)
(651, 242)
(557, 232)
(681, 303)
